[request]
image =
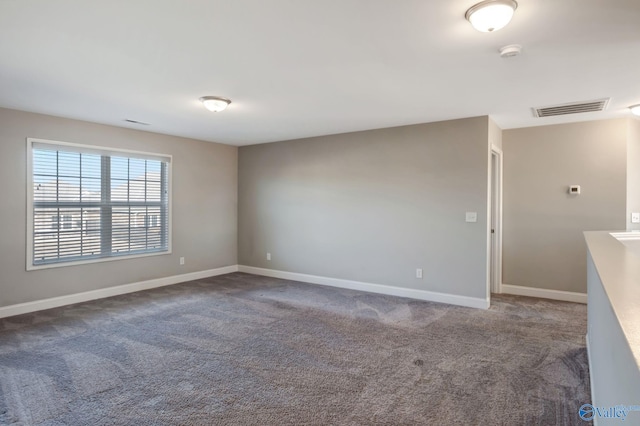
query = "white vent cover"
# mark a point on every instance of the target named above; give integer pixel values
(573, 108)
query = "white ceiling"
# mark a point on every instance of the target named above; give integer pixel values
(298, 68)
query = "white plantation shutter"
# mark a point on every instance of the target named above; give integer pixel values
(89, 203)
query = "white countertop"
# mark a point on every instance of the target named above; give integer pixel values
(618, 265)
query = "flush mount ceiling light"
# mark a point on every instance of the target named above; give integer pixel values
(635, 109)
(215, 103)
(491, 15)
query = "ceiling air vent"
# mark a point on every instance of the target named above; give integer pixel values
(136, 122)
(573, 108)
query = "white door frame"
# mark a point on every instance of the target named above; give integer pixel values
(495, 220)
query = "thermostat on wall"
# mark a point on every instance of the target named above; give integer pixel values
(574, 189)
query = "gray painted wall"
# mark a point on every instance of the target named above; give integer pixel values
(371, 206)
(204, 208)
(633, 171)
(542, 224)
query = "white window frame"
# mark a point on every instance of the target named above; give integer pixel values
(96, 150)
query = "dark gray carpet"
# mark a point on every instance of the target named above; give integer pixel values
(245, 350)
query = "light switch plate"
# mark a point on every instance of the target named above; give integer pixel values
(472, 217)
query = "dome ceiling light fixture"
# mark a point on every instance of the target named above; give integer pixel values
(635, 110)
(215, 103)
(491, 15)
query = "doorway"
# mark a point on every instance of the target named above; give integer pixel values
(495, 223)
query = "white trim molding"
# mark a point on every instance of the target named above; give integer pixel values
(494, 219)
(543, 293)
(411, 293)
(55, 302)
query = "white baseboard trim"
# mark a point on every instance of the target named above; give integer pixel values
(567, 296)
(54, 302)
(411, 293)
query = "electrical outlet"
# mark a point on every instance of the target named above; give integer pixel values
(471, 217)
(268, 256)
(635, 217)
(419, 273)
(182, 260)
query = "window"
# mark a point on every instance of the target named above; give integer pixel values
(151, 221)
(63, 221)
(90, 203)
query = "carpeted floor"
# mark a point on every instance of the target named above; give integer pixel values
(240, 349)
